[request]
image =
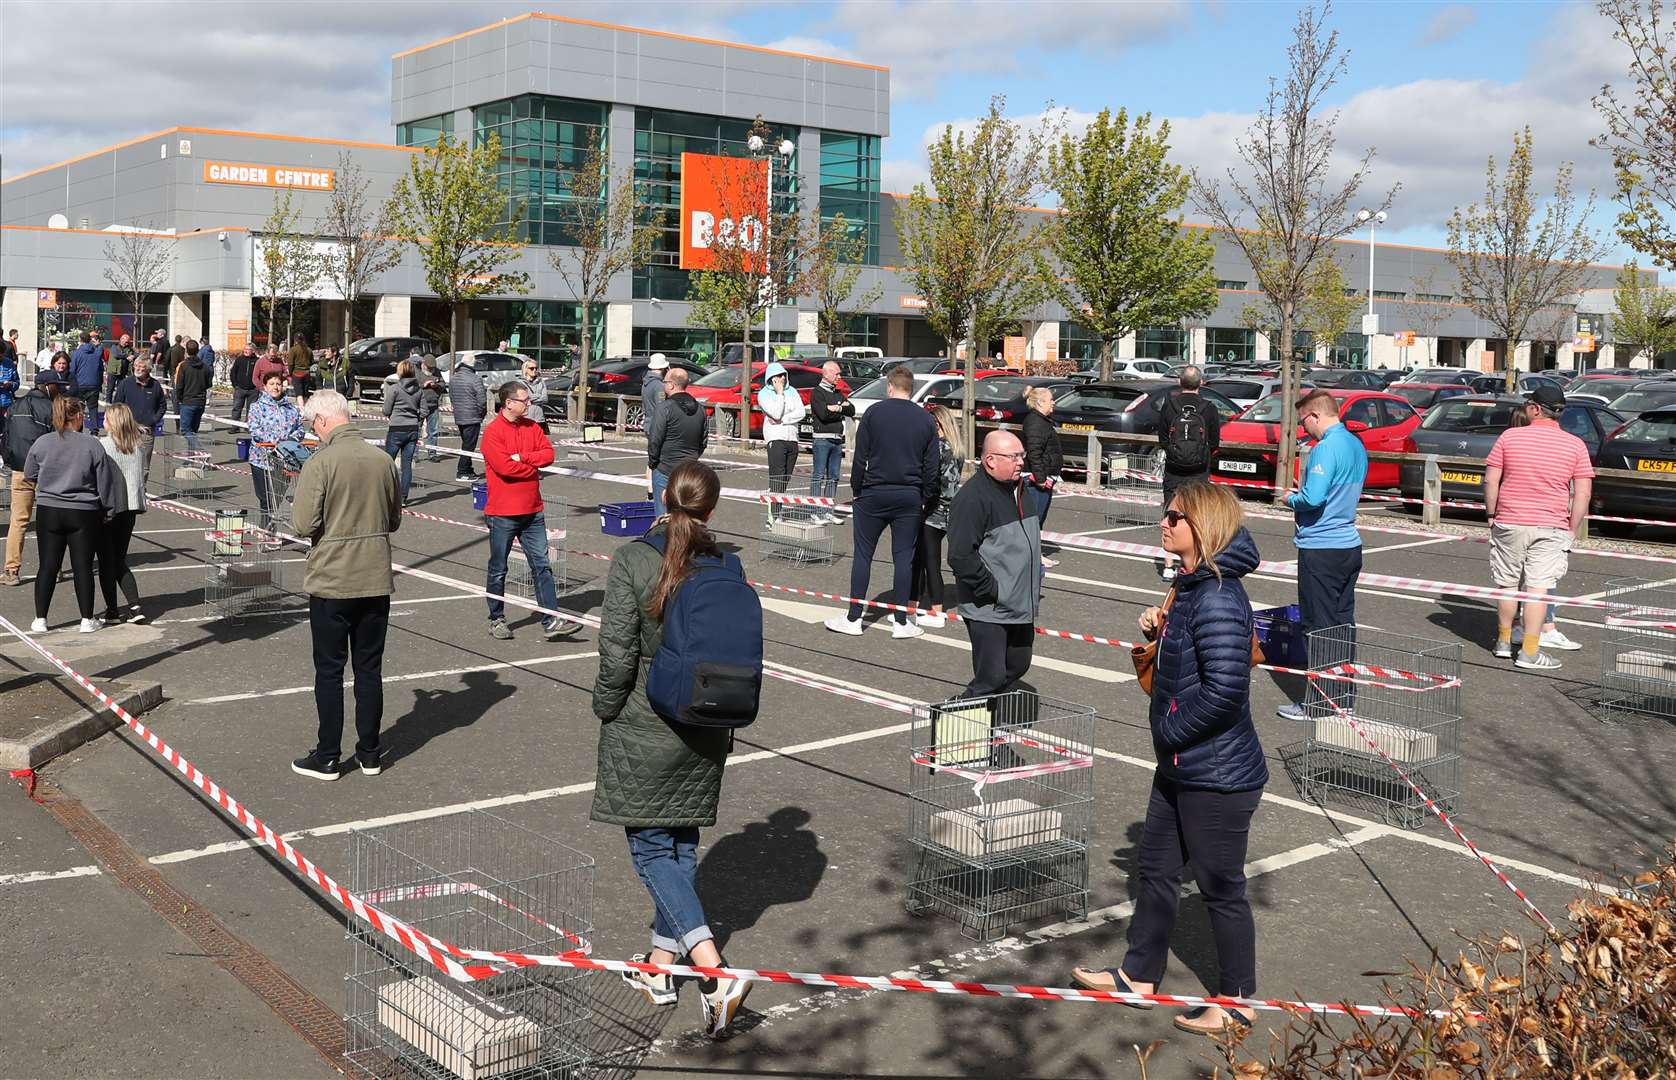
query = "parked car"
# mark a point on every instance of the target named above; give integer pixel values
(1387, 376)
(858, 352)
(719, 391)
(857, 370)
(1247, 390)
(1495, 382)
(803, 352)
(919, 365)
(494, 367)
(1644, 397)
(1126, 407)
(924, 385)
(1424, 395)
(1646, 446)
(614, 376)
(1468, 427)
(1608, 386)
(1144, 368)
(999, 399)
(376, 357)
(1438, 375)
(1381, 420)
(1345, 378)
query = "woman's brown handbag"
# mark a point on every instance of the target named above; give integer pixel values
(1145, 657)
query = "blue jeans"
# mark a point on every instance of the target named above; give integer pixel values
(1044, 499)
(431, 424)
(829, 461)
(190, 417)
(531, 533)
(667, 862)
(660, 480)
(403, 441)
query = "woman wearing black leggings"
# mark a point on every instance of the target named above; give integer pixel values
(76, 490)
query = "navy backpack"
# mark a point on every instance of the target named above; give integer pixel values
(708, 668)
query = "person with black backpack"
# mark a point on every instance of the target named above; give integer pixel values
(1189, 430)
(680, 666)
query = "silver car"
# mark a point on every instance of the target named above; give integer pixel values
(1246, 391)
(493, 367)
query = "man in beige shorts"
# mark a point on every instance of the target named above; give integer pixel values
(1536, 492)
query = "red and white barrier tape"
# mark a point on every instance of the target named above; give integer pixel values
(1070, 760)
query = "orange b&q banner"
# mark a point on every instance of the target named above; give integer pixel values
(724, 204)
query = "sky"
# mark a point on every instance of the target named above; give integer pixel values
(1433, 88)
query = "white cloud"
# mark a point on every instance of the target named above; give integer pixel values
(900, 175)
(1449, 23)
(294, 67)
(925, 42)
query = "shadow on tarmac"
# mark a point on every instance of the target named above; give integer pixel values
(765, 864)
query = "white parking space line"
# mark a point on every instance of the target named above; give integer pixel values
(1415, 544)
(49, 875)
(1113, 529)
(1603, 594)
(194, 565)
(441, 673)
(165, 532)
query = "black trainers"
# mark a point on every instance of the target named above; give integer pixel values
(370, 764)
(316, 766)
(555, 627)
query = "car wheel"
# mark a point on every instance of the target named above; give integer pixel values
(634, 416)
(727, 425)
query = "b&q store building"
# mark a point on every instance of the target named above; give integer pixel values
(544, 84)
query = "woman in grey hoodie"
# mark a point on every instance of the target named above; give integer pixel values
(77, 489)
(405, 406)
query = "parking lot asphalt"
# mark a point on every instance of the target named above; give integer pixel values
(806, 868)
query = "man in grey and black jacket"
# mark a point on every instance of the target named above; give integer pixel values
(471, 403)
(995, 551)
(678, 433)
(653, 391)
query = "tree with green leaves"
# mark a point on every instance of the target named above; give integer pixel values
(1641, 127)
(451, 208)
(1120, 257)
(835, 266)
(288, 265)
(1643, 315)
(1513, 264)
(362, 239)
(1324, 313)
(969, 240)
(1292, 196)
(607, 232)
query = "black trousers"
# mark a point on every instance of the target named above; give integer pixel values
(1000, 655)
(1173, 482)
(876, 507)
(113, 559)
(928, 567)
(349, 630)
(782, 459)
(1209, 829)
(58, 531)
(1327, 598)
(243, 398)
(468, 442)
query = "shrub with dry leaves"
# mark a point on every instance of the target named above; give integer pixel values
(1596, 1000)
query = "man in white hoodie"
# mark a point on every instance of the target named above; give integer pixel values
(782, 410)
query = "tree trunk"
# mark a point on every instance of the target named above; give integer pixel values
(968, 396)
(1107, 347)
(585, 355)
(456, 325)
(1288, 439)
(1511, 347)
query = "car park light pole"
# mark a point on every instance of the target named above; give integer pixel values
(783, 149)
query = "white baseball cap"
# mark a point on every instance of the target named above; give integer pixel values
(658, 362)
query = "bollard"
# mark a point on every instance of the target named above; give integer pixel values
(622, 415)
(1431, 492)
(1093, 460)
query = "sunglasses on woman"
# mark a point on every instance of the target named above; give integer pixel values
(1172, 518)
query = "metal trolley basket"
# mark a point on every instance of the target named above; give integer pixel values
(1638, 653)
(1002, 795)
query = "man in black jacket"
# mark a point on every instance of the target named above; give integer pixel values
(679, 431)
(995, 551)
(829, 405)
(192, 385)
(1189, 431)
(245, 390)
(144, 397)
(30, 418)
(895, 476)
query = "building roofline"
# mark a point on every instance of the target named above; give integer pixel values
(633, 30)
(209, 131)
(108, 232)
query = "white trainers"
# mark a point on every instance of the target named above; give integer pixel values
(906, 630)
(1555, 639)
(91, 626)
(1503, 650)
(932, 622)
(39, 626)
(1540, 662)
(658, 989)
(843, 624)
(722, 1004)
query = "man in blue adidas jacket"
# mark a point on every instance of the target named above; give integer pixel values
(1329, 547)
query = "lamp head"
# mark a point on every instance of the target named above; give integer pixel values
(1363, 214)
(755, 143)
(787, 148)
(1380, 217)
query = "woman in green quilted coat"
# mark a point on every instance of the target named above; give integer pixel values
(659, 779)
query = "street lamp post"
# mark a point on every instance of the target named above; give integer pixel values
(784, 149)
(1374, 220)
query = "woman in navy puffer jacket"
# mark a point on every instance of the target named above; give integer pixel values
(1211, 770)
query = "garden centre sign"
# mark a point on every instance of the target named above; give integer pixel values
(282, 176)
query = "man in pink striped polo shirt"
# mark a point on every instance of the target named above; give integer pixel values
(1536, 492)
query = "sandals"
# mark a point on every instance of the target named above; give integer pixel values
(1233, 1023)
(1115, 983)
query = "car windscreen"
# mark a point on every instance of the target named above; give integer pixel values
(1266, 411)
(1657, 429)
(1640, 401)
(1418, 396)
(1000, 388)
(871, 392)
(1470, 417)
(721, 377)
(1099, 398)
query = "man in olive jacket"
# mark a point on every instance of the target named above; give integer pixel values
(347, 503)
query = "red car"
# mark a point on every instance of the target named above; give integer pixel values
(719, 391)
(1382, 421)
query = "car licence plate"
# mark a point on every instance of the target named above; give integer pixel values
(1654, 465)
(1461, 478)
(1238, 466)
(1077, 427)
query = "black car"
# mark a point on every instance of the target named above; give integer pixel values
(1345, 378)
(611, 378)
(920, 365)
(1469, 426)
(376, 357)
(858, 372)
(999, 399)
(1120, 408)
(1645, 446)
(1644, 397)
